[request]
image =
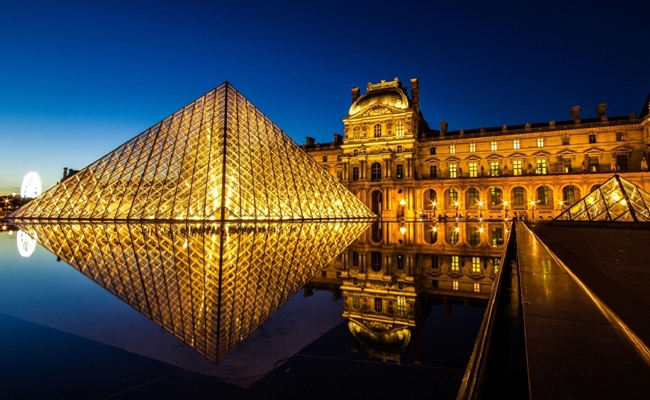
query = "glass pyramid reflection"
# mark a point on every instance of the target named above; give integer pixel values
(209, 284)
(218, 158)
(615, 200)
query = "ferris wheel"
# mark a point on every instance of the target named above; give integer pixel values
(31, 186)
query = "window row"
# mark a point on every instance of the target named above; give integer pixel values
(518, 197)
(379, 130)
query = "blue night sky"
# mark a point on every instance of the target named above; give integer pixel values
(79, 78)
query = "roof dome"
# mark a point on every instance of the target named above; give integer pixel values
(392, 97)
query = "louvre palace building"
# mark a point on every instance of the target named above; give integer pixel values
(403, 169)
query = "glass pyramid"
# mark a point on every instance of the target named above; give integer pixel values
(218, 158)
(615, 200)
(209, 284)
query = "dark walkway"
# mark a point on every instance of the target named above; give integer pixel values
(574, 351)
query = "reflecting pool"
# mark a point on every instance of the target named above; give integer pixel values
(268, 310)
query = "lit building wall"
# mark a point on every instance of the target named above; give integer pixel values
(402, 169)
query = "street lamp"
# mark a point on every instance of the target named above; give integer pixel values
(456, 204)
(532, 204)
(480, 211)
(561, 204)
(402, 229)
(434, 204)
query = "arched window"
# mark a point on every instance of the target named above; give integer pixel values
(431, 234)
(375, 171)
(377, 130)
(542, 195)
(399, 129)
(568, 195)
(473, 196)
(430, 197)
(518, 196)
(356, 133)
(496, 196)
(453, 196)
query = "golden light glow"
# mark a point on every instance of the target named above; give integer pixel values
(218, 158)
(402, 230)
(402, 202)
(209, 293)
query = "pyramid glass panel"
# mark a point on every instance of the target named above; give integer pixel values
(615, 200)
(209, 284)
(218, 158)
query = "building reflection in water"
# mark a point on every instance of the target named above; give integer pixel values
(211, 285)
(393, 274)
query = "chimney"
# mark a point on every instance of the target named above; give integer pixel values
(355, 94)
(65, 172)
(443, 127)
(309, 141)
(415, 92)
(338, 139)
(575, 114)
(601, 111)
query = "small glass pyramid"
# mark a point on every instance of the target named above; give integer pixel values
(218, 158)
(615, 200)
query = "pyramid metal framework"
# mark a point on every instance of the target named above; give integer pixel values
(209, 284)
(615, 200)
(218, 158)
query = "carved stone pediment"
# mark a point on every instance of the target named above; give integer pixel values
(377, 109)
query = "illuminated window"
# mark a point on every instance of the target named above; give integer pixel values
(375, 261)
(472, 147)
(399, 129)
(477, 287)
(453, 171)
(496, 262)
(494, 168)
(620, 136)
(593, 164)
(355, 173)
(324, 158)
(540, 142)
(400, 171)
(452, 149)
(377, 130)
(454, 285)
(400, 262)
(476, 264)
(516, 145)
(497, 237)
(568, 194)
(493, 146)
(356, 133)
(541, 167)
(379, 306)
(495, 196)
(455, 263)
(453, 235)
(473, 170)
(516, 167)
(401, 306)
(518, 196)
(592, 138)
(473, 196)
(453, 195)
(566, 161)
(433, 171)
(542, 195)
(375, 172)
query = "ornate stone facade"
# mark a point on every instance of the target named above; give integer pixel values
(401, 168)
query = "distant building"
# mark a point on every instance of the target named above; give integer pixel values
(399, 167)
